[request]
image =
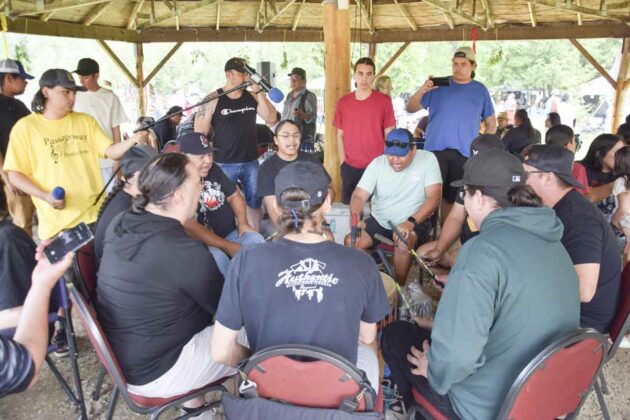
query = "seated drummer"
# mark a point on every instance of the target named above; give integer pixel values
(406, 189)
(331, 296)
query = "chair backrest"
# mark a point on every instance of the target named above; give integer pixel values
(318, 379)
(85, 271)
(99, 341)
(170, 146)
(559, 378)
(621, 321)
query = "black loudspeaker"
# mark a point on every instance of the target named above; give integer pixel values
(267, 70)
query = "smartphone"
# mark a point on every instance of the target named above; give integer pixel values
(441, 81)
(68, 241)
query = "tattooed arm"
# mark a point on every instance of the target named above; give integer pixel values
(203, 119)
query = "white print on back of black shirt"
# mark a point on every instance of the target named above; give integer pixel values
(307, 278)
(212, 196)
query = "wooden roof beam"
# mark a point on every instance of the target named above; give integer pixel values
(53, 7)
(488, 12)
(532, 13)
(117, 61)
(449, 20)
(393, 58)
(261, 11)
(45, 17)
(280, 12)
(579, 15)
(94, 13)
(183, 11)
(405, 12)
(296, 18)
(559, 5)
(131, 21)
(593, 62)
(439, 4)
(367, 16)
(159, 65)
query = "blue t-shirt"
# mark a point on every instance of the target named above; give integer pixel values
(287, 292)
(455, 113)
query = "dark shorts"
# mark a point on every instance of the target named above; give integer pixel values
(372, 227)
(452, 167)
(350, 177)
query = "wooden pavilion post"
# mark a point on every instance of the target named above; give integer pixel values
(141, 102)
(337, 74)
(622, 86)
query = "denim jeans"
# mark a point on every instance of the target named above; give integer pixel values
(247, 174)
(222, 259)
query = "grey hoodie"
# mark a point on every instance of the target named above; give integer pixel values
(512, 292)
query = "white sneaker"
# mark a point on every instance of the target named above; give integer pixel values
(625, 343)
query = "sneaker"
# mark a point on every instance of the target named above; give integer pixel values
(59, 339)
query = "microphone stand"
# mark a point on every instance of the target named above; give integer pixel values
(205, 101)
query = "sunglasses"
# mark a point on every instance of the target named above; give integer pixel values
(399, 144)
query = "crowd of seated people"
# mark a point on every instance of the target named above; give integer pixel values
(186, 274)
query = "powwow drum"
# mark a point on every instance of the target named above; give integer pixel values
(392, 295)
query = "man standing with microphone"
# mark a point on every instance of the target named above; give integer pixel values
(232, 118)
(455, 112)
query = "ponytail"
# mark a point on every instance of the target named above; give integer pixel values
(139, 203)
(115, 190)
(39, 101)
(292, 220)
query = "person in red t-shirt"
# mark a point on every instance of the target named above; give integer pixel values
(362, 118)
(562, 135)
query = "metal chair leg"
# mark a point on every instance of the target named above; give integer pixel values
(74, 363)
(61, 380)
(99, 384)
(601, 400)
(603, 382)
(112, 404)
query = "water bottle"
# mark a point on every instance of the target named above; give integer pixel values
(421, 304)
(58, 193)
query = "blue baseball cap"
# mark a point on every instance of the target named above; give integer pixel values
(399, 142)
(14, 67)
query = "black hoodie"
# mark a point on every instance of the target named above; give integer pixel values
(157, 288)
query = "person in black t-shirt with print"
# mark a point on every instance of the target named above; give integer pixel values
(287, 139)
(232, 118)
(588, 237)
(222, 216)
(302, 288)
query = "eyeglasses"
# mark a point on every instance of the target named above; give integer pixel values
(399, 144)
(286, 136)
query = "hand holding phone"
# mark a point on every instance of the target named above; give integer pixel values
(68, 241)
(440, 81)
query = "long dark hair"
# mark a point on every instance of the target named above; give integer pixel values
(597, 150)
(519, 196)
(292, 220)
(554, 118)
(120, 184)
(39, 102)
(622, 164)
(161, 176)
(522, 115)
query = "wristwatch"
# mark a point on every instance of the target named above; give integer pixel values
(412, 220)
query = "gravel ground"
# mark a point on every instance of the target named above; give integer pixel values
(46, 400)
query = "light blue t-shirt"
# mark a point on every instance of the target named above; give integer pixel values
(398, 195)
(455, 112)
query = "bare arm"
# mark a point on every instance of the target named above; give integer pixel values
(386, 131)
(239, 207)
(197, 231)
(24, 183)
(414, 103)
(225, 348)
(270, 205)
(358, 199)
(451, 230)
(622, 209)
(32, 329)
(491, 124)
(588, 274)
(433, 198)
(340, 149)
(203, 118)
(265, 109)
(5, 178)
(597, 194)
(117, 150)
(367, 333)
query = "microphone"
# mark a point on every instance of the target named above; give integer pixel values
(58, 193)
(275, 95)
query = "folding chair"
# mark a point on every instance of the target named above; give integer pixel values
(308, 376)
(140, 404)
(620, 327)
(60, 300)
(554, 384)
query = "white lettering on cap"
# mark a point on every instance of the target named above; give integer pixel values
(516, 178)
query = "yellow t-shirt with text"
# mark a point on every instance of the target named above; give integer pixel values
(63, 153)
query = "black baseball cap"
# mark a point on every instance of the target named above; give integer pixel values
(555, 159)
(195, 144)
(486, 142)
(86, 67)
(134, 159)
(235, 63)
(298, 71)
(59, 77)
(308, 176)
(493, 168)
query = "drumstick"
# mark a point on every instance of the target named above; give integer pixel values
(413, 252)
